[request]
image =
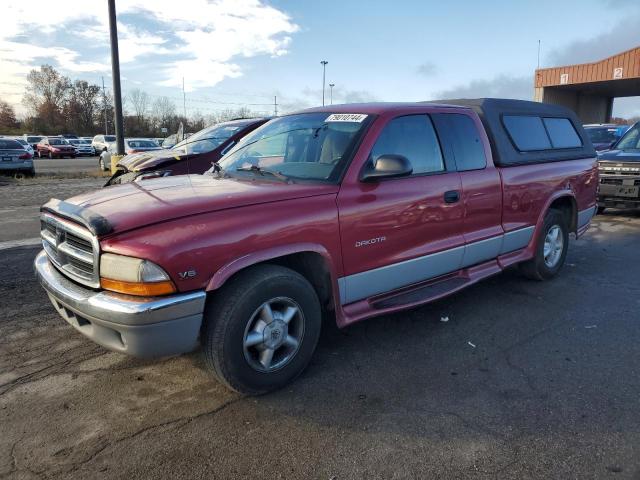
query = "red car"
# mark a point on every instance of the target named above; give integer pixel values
(359, 210)
(55, 147)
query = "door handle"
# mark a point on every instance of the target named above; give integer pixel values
(452, 196)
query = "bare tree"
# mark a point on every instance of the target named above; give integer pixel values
(163, 110)
(139, 101)
(81, 107)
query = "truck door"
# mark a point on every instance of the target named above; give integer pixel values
(400, 231)
(466, 145)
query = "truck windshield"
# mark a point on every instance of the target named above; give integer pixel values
(311, 146)
(631, 139)
(602, 134)
(207, 140)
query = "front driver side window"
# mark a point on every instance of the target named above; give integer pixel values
(413, 137)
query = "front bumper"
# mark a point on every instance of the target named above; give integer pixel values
(138, 326)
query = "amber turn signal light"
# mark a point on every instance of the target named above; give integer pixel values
(150, 289)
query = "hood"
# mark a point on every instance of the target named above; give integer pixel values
(133, 205)
(137, 162)
(602, 146)
(620, 156)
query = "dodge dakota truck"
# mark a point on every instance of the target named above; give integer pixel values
(356, 210)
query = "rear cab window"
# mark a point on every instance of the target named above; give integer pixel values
(562, 133)
(532, 133)
(461, 140)
(527, 132)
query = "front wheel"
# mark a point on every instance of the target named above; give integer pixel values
(261, 329)
(551, 248)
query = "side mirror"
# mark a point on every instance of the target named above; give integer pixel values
(387, 166)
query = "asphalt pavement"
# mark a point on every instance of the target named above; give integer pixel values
(524, 380)
(66, 165)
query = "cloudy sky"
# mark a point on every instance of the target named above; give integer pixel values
(245, 52)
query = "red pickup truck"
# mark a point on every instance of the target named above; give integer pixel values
(359, 210)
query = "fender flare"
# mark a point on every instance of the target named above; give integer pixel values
(557, 195)
(234, 266)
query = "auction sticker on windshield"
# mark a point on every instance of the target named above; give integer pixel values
(346, 117)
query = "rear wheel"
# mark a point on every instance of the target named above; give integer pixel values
(600, 210)
(261, 329)
(551, 248)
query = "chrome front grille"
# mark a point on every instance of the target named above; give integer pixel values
(72, 249)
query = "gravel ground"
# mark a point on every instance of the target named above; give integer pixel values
(525, 380)
(20, 201)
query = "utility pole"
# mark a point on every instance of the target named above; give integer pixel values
(104, 108)
(331, 85)
(538, 54)
(275, 105)
(115, 72)
(324, 71)
(184, 101)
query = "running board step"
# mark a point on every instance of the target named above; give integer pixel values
(422, 294)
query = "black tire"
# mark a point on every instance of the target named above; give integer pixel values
(600, 210)
(538, 267)
(231, 311)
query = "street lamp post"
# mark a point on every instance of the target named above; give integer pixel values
(324, 71)
(115, 72)
(331, 85)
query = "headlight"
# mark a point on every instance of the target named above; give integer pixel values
(133, 276)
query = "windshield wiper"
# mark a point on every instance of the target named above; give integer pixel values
(261, 171)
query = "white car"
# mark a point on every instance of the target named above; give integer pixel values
(100, 143)
(83, 146)
(26, 145)
(131, 145)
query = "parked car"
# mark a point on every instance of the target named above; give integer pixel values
(33, 140)
(14, 158)
(55, 147)
(605, 135)
(131, 146)
(24, 144)
(193, 155)
(83, 146)
(620, 173)
(360, 210)
(101, 142)
(69, 136)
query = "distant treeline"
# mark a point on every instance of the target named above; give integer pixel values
(56, 105)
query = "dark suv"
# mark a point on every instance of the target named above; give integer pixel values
(620, 173)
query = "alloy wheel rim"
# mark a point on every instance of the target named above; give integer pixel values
(553, 246)
(273, 334)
